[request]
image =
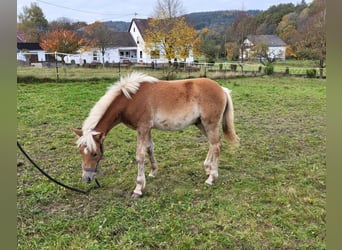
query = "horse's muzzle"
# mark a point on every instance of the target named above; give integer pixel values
(88, 174)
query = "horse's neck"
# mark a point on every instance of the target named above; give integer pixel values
(110, 118)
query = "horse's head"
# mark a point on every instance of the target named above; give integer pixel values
(90, 147)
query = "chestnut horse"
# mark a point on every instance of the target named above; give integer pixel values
(142, 102)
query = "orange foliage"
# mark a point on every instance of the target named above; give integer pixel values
(64, 41)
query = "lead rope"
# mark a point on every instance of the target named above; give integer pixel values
(54, 180)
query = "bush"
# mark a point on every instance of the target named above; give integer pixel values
(269, 69)
(311, 73)
(233, 67)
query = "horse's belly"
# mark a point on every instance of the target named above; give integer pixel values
(175, 121)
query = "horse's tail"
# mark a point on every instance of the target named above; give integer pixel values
(228, 121)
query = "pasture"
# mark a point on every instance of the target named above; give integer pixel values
(270, 194)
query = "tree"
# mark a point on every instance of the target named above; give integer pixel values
(66, 24)
(233, 51)
(33, 22)
(63, 41)
(315, 37)
(244, 25)
(168, 9)
(100, 36)
(209, 46)
(170, 34)
(267, 21)
(172, 37)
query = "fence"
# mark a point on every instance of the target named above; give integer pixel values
(62, 72)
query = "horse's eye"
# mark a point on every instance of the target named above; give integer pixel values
(94, 154)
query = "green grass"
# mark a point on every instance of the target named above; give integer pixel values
(271, 191)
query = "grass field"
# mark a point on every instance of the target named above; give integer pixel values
(271, 191)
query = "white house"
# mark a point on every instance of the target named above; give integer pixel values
(122, 49)
(138, 29)
(125, 47)
(276, 46)
(30, 51)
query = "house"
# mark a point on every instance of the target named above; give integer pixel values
(138, 29)
(276, 46)
(125, 47)
(122, 49)
(30, 53)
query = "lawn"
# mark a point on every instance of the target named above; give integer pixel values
(271, 191)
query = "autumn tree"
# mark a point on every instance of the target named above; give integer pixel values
(268, 20)
(232, 51)
(100, 36)
(208, 45)
(243, 25)
(63, 41)
(266, 57)
(314, 39)
(32, 22)
(169, 34)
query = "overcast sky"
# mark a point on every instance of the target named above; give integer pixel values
(116, 10)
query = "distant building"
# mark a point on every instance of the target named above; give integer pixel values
(276, 46)
(125, 47)
(31, 52)
(122, 49)
(138, 30)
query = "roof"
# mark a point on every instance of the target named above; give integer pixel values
(28, 46)
(21, 37)
(270, 40)
(123, 39)
(142, 24)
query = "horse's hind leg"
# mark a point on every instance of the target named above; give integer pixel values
(150, 151)
(207, 162)
(208, 159)
(211, 162)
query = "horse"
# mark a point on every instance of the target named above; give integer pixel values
(142, 102)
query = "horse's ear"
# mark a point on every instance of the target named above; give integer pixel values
(99, 137)
(77, 131)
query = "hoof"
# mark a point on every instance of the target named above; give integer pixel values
(208, 182)
(136, 196)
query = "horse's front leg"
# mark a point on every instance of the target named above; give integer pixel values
(140, 157)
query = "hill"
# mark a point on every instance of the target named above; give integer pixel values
(118, 25)
(213, 19)
(199, 20)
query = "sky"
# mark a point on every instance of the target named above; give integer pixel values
(111, 10)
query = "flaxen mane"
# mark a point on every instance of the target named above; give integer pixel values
(127, 85)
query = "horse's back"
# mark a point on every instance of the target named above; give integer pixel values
(180, 92)
(173, 105)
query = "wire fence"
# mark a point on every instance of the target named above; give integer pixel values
(57, 71)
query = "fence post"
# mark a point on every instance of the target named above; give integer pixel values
(57, 74)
